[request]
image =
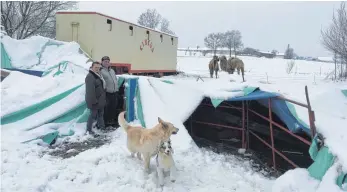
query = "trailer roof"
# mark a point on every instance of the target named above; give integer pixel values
(97, 13)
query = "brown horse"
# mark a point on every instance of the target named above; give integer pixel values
(223, 63)
(213, 66)
(236, 63)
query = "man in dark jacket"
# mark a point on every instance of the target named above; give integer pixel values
(95, 97)
(111, 80)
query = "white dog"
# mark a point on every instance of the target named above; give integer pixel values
(165, 162)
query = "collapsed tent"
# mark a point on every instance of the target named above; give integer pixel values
(70, 109)
(37, 55)
(243, 122)
(292, 147)
(239, 120)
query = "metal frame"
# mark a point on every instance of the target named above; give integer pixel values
(245, 131)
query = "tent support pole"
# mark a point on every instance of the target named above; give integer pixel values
(222, 106)
(310, 114)
(279, 153)
(283, 128)
(292, 101)
(218, 125)
(243, 125)
(272, 137)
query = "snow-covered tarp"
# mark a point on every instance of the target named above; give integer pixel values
(39, 53)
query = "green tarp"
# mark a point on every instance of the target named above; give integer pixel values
(249, 90)
(28, 111)
(47, 138)
(323, 160)
(78, 114)
(139, 106)
(216, 102)
(344, 92)
(60, 66)
(167, 81)
(5, 58)
(246, 91)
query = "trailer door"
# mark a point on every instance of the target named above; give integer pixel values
(75, 27)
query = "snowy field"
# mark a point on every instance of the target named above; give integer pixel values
(28, 167)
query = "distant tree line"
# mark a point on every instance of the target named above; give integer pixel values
(232, 40)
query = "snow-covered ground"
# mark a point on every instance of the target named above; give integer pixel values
(28, 167)
(326, 98)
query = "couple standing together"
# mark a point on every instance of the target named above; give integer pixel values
(101, 95)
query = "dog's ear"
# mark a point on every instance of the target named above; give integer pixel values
(161, 144)
(160, 120)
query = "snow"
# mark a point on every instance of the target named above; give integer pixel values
(32, 54)
(299, 180)
(110, 168)
(327, 59)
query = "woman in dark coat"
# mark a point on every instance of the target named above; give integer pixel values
(95, 97)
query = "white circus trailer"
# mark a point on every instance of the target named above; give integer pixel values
(132, 48)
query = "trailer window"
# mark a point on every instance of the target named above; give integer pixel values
(161, 37)
(109, 21)
(172, 40)
(131, 30)
(147, 34)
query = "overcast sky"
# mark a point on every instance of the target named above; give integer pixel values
(264, 25)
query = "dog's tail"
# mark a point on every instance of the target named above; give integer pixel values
(122, 122)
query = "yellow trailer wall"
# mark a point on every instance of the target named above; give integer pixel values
(85, 28)
(122, 47)
(96, 38)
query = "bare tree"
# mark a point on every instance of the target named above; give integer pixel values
(164, 26)
(2, 31)
(334, 38)
(232, 40)
(289, 53)
(214, 41)
(150, 18)
(22, 19)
